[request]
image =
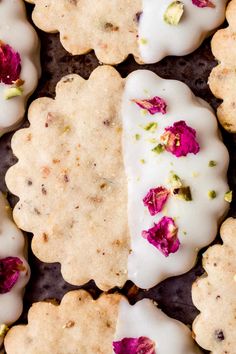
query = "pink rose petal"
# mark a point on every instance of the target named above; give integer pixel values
(163, 236)
(203, 3)
(141, 345)
(10, 268)
(156, 199)
(153, 105)
(180, 139)
(10, 64)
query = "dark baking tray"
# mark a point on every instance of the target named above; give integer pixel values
(174, 294)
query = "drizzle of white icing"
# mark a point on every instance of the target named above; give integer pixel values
(197, 219)
(12, 244)
(145, 319)
(20, 35)
(158, 39)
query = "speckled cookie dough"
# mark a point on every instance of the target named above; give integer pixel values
(222, 80)
(214, 295)
(148, 29)
(81, 325)
(14, 270)
(108, 153)
(19, 63)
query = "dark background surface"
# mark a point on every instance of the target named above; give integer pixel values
(173, 295)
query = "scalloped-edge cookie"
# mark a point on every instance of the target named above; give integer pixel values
(81, 325)
(19, 63)
(214, 295)
(114, 192)
(14, 270)
(222, 80)
(148, 29)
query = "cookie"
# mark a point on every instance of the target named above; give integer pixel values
(14, 270)
(107, 325)
(222, 78)
(150, 30)
(214, 295)
(112, 171)
(19, 63)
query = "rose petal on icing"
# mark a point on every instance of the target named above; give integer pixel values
(203, 3)
(10, 268)
(10, 64)
(139, 345)
(163, 236)
(156, 199)
(153, 105)
(180, 139)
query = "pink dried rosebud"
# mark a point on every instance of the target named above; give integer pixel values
(203, 3)
(163, 236)
(10, 269)
(10, 64)
(180, 139)
(153, 105)
(139, 345)
(156, 199)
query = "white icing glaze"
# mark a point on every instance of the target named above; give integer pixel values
(162, 39)
(12, 244)
(20, 35)
(145, 319)
(147, 266)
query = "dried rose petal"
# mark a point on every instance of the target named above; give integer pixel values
(203, 3)
(156, 199)
(164, 236)
(180, 139)
(10, 64)
(10, 268)
(141, 345)
(153, 105)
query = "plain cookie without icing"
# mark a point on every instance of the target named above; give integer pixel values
(214, 295)
(117, 28)
(222, 80)
(81, 325)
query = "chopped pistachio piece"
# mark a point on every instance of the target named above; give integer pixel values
(13, 92)
(151, 127)
(174, 12)
(174, 180)
(143, 41)
(3, 329)
(212, 194)
(142, 161)
(158, 149)
(228, 196)
(212, 163)
(137, 136)
(183, 193)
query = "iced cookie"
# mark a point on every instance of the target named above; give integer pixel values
(81, 325)
(214, 295)
(14, 270)
(222, 80)
(134, 181)
(19, 63)
(148, 29)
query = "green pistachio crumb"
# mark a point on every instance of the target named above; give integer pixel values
(142, 161)
(13, 92)
(212, 194)
(212, 163)
(158, 149)
(174, 180)
(3, 329)
(174, 13)
(185, 233)
(143, 41)
(137, 136)
(151, 127)
(183, 193)
(152, 141)
(228, 196)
